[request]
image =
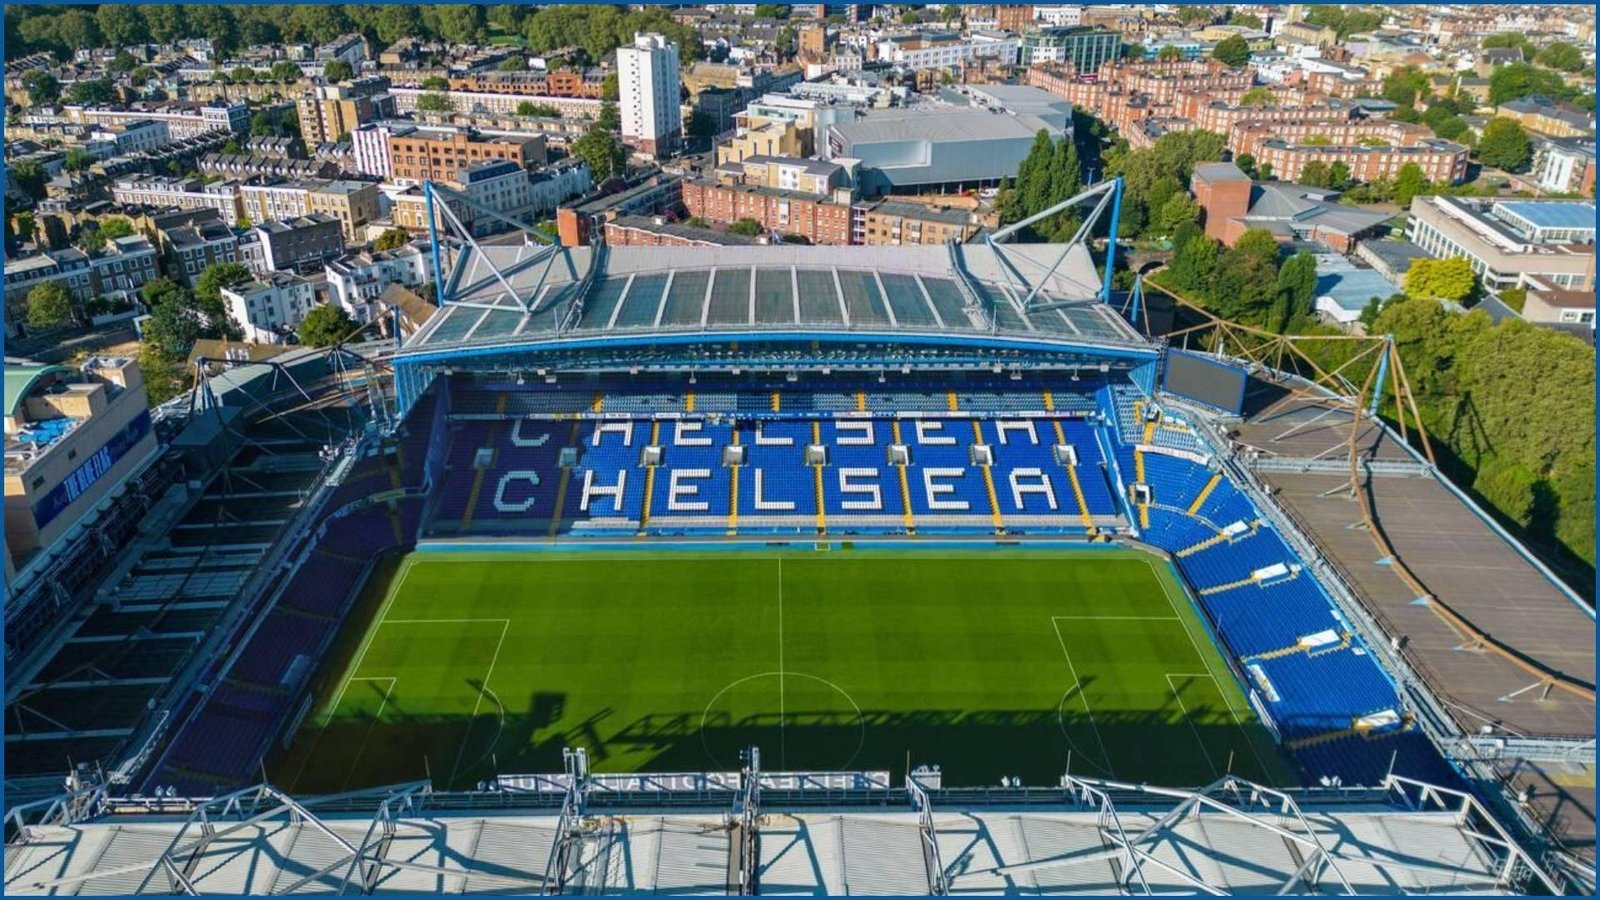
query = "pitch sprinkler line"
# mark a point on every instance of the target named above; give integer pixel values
(1077, 684)
(505, 625)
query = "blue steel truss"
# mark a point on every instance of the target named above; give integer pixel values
(806, 349)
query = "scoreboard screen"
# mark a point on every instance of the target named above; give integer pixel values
(1205, 379)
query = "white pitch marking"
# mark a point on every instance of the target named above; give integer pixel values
(1195, 731)
(1105, 756)
(366, 642)
(1167, 593)
(1117, 617)
(355, 764)
(505, 625)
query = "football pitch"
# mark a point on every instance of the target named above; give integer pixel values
(987, 663)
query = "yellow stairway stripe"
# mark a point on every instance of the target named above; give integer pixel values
(477, 479)
(561, 487)
(988, 476)
(905, 485)
(649, 478)
(1200, 499)
(733, 491)
(822, 516)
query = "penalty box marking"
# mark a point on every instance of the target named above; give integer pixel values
(1166, 591)
(1077, 684)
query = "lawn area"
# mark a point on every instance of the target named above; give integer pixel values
(986, 663)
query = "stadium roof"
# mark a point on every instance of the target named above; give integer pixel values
(1231, 837)
(510, 294)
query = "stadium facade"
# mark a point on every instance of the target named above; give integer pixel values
(903, 397)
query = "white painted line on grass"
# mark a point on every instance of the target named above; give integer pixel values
(355, 764)
(483, 688)
(1105, 755)
(1187, 718)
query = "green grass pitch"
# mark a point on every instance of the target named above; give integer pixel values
(986, 663)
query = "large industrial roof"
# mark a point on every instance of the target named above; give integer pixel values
(1551, 214)
(509, 293)
(955, 124)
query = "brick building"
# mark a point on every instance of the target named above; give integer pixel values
(817, 219)
(439, 153)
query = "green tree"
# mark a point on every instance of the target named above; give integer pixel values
(1441, 279)
(95, 92)
(1261, 96)
(1561, 55)
(1178, 210)
(1245, 286)
(78, 159)
(604, 154)
(544, 110)
(1232, 51)
(1314, 174)
(335, 70)
(393, 22)
(122, 63)
(610, 89)
(1297, 288)
(1409, 183)
(286, 71)
(436, 83)
(1168, 53)
(1245, 20)
(518, 63)
(326, 325)
(772, 11)
(1505, 145)
(22, 225)
(1246, 163)
(1510, 39)
(433, 102)
(208, 286)
(111, 229)
(1134, 52)
(1404, 85)
(121, 25)
(1518, 80)
(49, 306)
(30, 176)
(1339, 175)
(1194, 264)
(1194, 16)
(78, 29)
(746, 227)
(1369, 314)
(610, 118)
(42, 87)
(910, 17)
(392, 239)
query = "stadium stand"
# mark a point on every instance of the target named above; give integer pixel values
(254, 691)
